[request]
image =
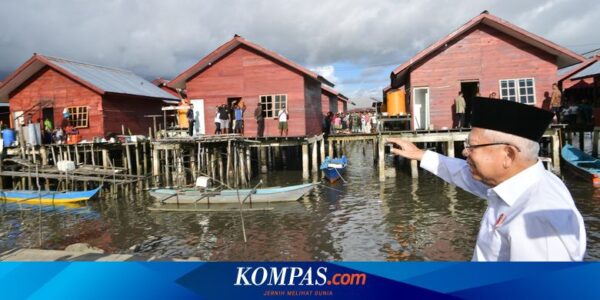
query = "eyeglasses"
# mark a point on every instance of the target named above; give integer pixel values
(469, 147)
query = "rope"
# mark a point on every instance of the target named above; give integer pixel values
(336, 170)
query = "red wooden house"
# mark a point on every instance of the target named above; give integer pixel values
(332, 100)
(485, 55)
(243, 71)
(582, 80)
(100, 99)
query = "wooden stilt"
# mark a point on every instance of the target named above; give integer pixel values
(193, 163)
(414, 168)
(270, 158)
(92, 155)
(145, 157)
(242, 168)
(322, 149)
(305, 174)
(248, 164)
(155, 166)
(313, 158)
(229, 161)
(44, 155)
(105, 158)
(211, 163)
(53, 155)
(76, 154)
(167, 168)
(220, 159)
(556, 153)
(450, 147)
(129, 162)
(138, 165)
(277, 156)
(263, 159)
(381, 157)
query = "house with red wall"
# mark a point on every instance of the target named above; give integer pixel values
(100, 99)
(241, 71)
(486, 55)
(582, 81)
(332, 100)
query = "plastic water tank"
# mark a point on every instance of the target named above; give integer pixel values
(8, 137)
(396, 103)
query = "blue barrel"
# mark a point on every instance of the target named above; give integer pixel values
(8, 136)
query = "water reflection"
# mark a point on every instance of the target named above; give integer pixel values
(400, 219)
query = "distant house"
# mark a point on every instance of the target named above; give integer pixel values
(162, 84)
(100, 99)
(485, 55)
(582, 81)
(332, 100)
(243, 71)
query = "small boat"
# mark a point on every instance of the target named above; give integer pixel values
(47, 197)
(332, 168)
(266, 195)
(582, 164)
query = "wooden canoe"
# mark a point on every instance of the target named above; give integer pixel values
(582, 164)
(46, 197)
(333, 167)
(266, 195)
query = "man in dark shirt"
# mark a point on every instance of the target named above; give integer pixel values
(260, 121)
(190, 117)
(224, 115)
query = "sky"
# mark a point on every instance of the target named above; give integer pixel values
(355, 44)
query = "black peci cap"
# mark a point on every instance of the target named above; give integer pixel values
(522, 120)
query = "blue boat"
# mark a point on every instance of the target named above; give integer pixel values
(332, 168)
(46, 197)
(582, 164)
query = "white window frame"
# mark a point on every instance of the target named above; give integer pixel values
(517, 90)
(79, 116)
(272, 110)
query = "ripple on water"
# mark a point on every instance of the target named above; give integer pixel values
(396, 220)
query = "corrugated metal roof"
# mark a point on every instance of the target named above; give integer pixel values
(564, 71)
(111, 80)
(591, 70)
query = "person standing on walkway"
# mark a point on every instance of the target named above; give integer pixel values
(238, 112)
(191, 120)
(260, 121)
(218, 120)
(530, 213)
(556, 101)
(459, 107)
(283, 120)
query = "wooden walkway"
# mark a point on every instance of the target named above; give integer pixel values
(447, 137)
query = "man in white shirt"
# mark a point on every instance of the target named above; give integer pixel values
(531, 215)
(283, 119)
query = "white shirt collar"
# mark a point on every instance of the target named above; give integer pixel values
(511, 189)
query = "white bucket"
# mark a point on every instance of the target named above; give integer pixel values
(65, 165)
(203, 181)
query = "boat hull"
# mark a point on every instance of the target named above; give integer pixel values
(267, 195)
(332, 168)
(332, 174)
(582, 164)
(47, 197)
